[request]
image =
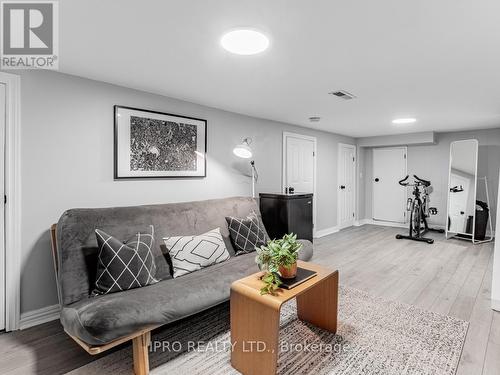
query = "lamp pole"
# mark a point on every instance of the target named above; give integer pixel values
(255, 175)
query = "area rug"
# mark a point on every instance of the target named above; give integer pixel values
(374, 336)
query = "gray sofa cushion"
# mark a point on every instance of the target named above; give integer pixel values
(306, 251)
(105, 318)
(77, 247)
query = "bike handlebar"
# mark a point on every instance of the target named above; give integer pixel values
(419, 181)
(403, 182)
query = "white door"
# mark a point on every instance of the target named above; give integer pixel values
(346, 185)
(389, 198)
(2, 211)
(458, 203)
(299, 165)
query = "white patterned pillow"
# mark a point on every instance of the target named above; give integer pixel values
(192, 253)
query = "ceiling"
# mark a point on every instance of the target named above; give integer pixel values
(438, 61)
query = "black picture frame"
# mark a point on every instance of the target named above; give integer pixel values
(118, 149)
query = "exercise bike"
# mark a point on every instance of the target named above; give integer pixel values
(419, 211)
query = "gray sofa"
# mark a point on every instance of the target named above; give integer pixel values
(98, 321)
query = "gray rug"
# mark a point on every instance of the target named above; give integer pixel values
(374, 337)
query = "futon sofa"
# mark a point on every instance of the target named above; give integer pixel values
(98, 323)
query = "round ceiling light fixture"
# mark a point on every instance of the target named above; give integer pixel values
(244, 42)
(404, 121)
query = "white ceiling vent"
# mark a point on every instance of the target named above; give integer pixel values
(314, 119)
(343, 94)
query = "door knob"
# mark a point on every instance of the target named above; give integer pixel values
(342, 187)
(377, 179)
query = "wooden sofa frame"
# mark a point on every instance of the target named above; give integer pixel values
(140, 339)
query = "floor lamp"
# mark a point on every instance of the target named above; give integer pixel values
(244, 151)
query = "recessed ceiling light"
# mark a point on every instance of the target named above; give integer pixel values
(403, 121)
(244, 42)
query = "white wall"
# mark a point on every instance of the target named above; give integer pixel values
(432, 162)
(422, 138)
(67, 162)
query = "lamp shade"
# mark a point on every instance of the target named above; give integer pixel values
(243, 150)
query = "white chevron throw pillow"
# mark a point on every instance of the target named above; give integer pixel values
(192, 253)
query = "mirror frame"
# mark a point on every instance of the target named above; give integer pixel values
(476, 149)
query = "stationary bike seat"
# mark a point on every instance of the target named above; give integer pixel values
(426, 183)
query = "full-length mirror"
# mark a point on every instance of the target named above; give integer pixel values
(462, 187)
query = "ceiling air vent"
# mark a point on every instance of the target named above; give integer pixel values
(342, 94)
(314, 118)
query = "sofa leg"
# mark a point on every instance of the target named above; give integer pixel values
(141, 356)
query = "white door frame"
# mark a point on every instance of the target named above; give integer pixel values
(405, 148)
(13, 205)
(354, 181)
(284, 161)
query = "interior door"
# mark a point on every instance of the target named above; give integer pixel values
(299, 168)
(2, 211)
(346, 185)
(389, 198)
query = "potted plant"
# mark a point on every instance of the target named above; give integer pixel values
(279, 260)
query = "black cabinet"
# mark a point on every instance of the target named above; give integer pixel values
(287, 213)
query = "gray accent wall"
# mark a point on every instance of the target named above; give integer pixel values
(67, 162)
(432, 162)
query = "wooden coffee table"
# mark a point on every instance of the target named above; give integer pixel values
(255, 318)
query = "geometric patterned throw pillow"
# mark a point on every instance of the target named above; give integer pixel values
(247, 234)
(124, 265)
(192, 253)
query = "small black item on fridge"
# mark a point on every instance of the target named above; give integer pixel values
(287, 213)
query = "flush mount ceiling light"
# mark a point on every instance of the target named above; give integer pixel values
(404, 121)
(244, 42)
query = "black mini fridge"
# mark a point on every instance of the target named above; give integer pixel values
(287, 213)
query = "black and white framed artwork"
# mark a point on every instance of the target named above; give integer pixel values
(151, 144)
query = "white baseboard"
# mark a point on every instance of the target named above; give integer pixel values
(495, 304)
(381, 223)
(361, 222)
(40, 316)
(325, 232)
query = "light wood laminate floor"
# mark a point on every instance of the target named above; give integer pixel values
(450, 277)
